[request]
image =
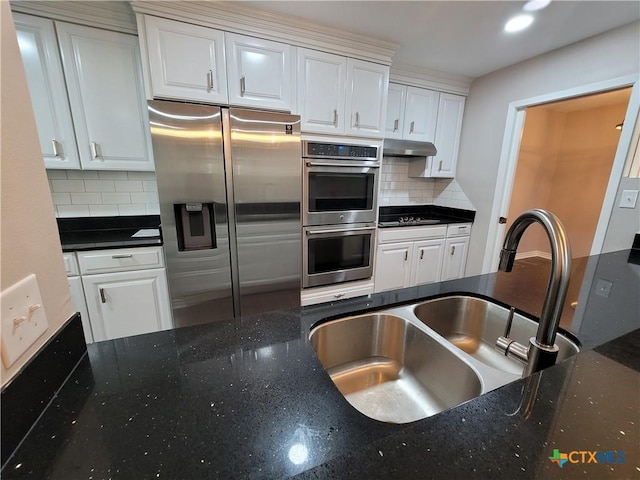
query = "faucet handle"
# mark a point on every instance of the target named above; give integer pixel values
(507, 328)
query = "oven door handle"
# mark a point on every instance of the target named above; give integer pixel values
(327, 164)
(339, 230)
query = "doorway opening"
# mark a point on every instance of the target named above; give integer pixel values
(566, 155)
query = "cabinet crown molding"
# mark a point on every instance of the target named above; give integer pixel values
(109, 15)
(431, 79)
(292, 30)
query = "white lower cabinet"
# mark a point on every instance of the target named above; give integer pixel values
(119, 292)
(410, 256)
(127, 303)
(455, 258)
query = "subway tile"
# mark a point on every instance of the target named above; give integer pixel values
(82, 175)
(128, 185)
(99, 186)
(144, 197)
(57, 174)
(133, 209)
(103, 210)
(112, 175)
(109, 198)
(153, 209)
(61, 186)
(61, 198)
(73, 210)
(141, 175)
(86, 198)
(150, 185)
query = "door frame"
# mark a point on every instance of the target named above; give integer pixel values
(511, 149)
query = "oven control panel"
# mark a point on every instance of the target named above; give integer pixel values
(337, 150)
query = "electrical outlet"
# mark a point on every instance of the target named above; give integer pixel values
(23, 318)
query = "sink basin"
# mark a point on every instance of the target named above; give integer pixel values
(474, 324)
(390, 370)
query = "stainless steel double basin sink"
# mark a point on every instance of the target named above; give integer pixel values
(405, 363)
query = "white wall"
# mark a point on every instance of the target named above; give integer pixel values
(27, 216)
(603, 57)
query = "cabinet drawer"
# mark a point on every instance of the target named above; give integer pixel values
(458, 229)
(71, 264)
(120, 260)
(402, 234)
(332, 293)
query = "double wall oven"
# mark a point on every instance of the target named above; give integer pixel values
(340, 189)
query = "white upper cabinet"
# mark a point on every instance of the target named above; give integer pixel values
(104, 83)
(447, 140)
(421, 112)
(259, 73)
(37, 42)
(367, 85)
(186, 61)
(321, 91)
(395, 111)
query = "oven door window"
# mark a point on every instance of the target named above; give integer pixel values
(330, 254)
(329, 191)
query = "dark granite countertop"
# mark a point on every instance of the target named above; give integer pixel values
(429, 214)
(249, 399)
(97, 233)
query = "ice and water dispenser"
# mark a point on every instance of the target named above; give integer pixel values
(195, 226)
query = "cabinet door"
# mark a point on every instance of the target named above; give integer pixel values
(420, 115)
(448, 130)
(367, 85)
(77, 297)
(186, 61)
(394, 123)
(41, 59)
(455, 258)
(259, 72)
(321, 91)
(393, 266)
(109, 109)
(427, 261)
(127, 303)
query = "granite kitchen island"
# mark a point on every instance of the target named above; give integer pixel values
(250, 399)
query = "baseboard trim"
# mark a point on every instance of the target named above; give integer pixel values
(533, 253)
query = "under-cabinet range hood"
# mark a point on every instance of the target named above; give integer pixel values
(408, 148)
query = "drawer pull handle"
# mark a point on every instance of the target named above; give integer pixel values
(421, 254)
(413, 124)
(453, 249)
(357, 124)
(102, 297)
(209, 80)
(395, 124)
(242, 86)
(440, 166)
(94, 150)
(335, 118)
(339, 295)
(406, 256)
(127, 255)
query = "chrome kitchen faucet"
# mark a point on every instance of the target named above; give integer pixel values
(542, 350)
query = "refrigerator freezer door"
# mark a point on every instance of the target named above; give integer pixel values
(187, 146)
(267, 188)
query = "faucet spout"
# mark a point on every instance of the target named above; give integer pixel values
(542, 350)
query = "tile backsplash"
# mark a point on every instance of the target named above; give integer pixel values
(82, 193)
(397, 188)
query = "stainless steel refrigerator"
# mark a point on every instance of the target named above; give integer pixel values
(229, 185)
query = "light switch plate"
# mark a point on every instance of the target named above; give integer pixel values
(23, 318)
(629, 199)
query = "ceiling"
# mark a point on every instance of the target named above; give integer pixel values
(462, 37)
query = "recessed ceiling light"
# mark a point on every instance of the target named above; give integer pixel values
(533, 5)
(518, 23)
